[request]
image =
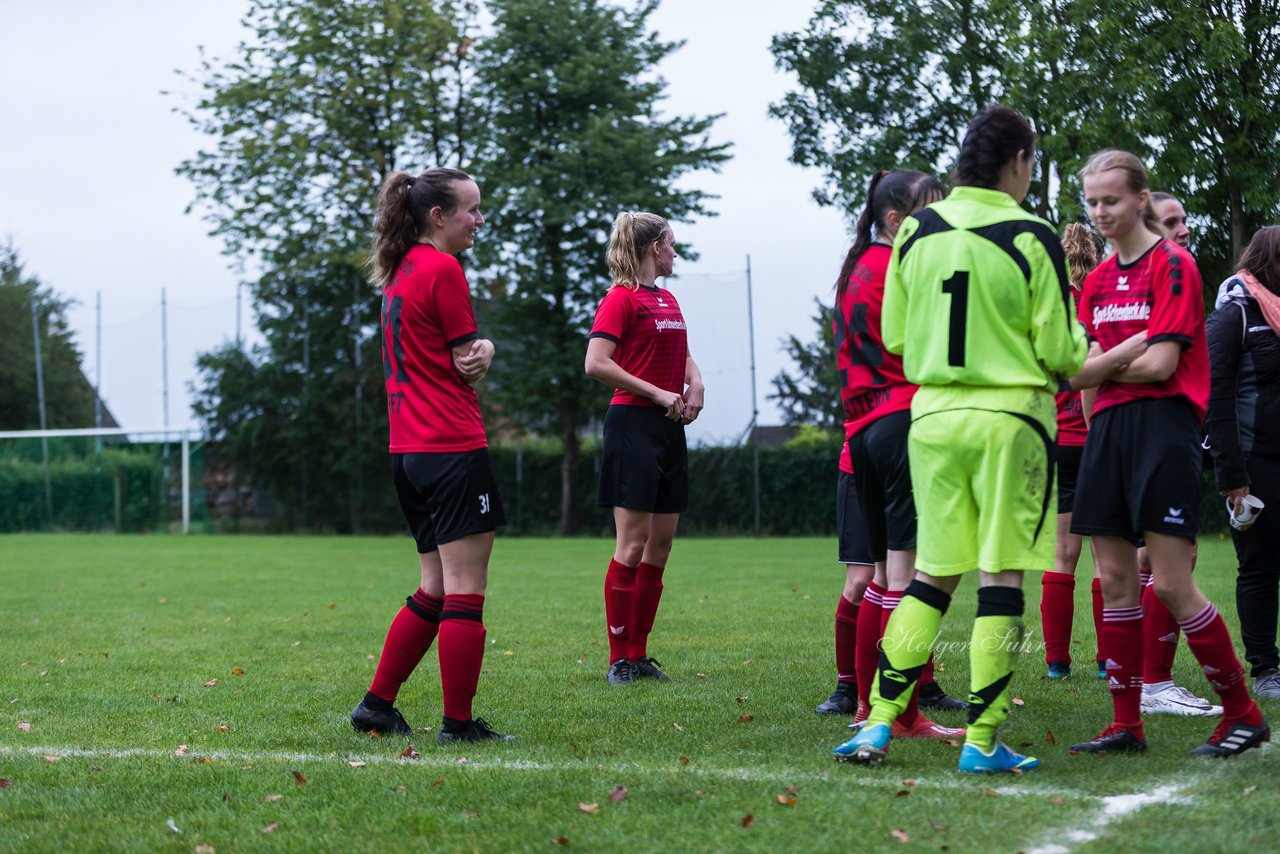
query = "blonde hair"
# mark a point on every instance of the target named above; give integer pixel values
(1083, 252)
(1136, 180)
(633, 233)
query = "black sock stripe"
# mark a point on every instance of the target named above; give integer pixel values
(937, 599)
(413, 605)
(460, 614)
(1000, 602)
(980, 701)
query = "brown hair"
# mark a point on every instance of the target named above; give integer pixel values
(903, 190)
(633, 233)
(1083, 251)
(1136, 180)
(401, 218)
(1262, 257)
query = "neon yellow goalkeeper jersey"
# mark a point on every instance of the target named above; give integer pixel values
(977, 295)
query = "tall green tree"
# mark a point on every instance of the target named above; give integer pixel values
(68, 394)
(313, 110)
(810, 393)
(1191, 86)
(573, 136)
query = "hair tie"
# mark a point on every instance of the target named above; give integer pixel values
(408, 184)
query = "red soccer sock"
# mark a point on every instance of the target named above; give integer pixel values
(644, 608)
(1159, 638)
(846, 641)
(1210, 643)
(926, 674)
(868, 650)
(1096, 592)
(911, 713)
(1122, 638)
(461, 652)
(1057, 610)
(619, 596)
(408, 639)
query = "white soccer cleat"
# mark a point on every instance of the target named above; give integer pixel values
(1176, 700)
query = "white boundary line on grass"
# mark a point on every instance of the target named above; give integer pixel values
(882, 778)
(1115, 808)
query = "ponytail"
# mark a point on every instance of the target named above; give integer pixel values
(633, 233)
(401, 217)
(1083, 251)
(903, 190)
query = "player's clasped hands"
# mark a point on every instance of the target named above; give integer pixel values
(475, 364)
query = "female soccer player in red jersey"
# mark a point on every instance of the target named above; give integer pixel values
(877, 406)
(1140, 474)
(432, 355)
(1057, 596)
(639, 347)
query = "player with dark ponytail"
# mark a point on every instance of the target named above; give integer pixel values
(432, 355)
(875, 480)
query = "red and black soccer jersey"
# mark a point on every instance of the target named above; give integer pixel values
(846, 461)
(426, 310)
(1159, 294)
(1072, 429)
(872, 384)
(651, 338)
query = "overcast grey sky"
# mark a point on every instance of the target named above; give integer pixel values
(88, 193)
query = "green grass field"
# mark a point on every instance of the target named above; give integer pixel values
(179, 683)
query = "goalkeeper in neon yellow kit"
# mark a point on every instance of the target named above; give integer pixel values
(977, 301)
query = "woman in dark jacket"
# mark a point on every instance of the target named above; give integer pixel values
(1243, 426)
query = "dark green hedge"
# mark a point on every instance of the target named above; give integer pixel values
(121, 490)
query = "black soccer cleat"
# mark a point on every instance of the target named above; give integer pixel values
(621, 672)
(389, 721)
(1113, 739)
(475, 729)
(647, 668)
(843, 701)
(1232, 739)
(933, 697)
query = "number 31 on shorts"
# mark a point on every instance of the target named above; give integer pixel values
(484, 503)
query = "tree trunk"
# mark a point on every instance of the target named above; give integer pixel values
(570, 519)
(1236, 201)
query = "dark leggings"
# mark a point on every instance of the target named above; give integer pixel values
(1258, 552)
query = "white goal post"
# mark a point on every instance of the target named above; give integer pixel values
(154, 435)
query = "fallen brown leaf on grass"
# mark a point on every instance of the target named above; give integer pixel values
(952, 742)
(987, 790)
(747, 820)
(618, 795)
(332, 606)
(683, 760)
(747, 662)
(357, 764)
(1058, 801)
(236, 671)
(697, 793)
(742, 699)
(270, 828)
(1249, 790)
(400, 790)
(589, 809)
(24, 726)
(44, 672)
(461, 760)
(4, 784)
(205, 760)
(787, 800)
(901, 793)
(1050, 737)
(211, 683)
(224, 728)
(298, 778)
(1017, 701)
(439, 781)
(792, 790)
(746, 719)
(935, 825)
(271, 799)
(409, 753)
(909, 783)
(468, 813)
(900, 835)
(205, 849)
(180, 750)
(677, 727)
(560, 840)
